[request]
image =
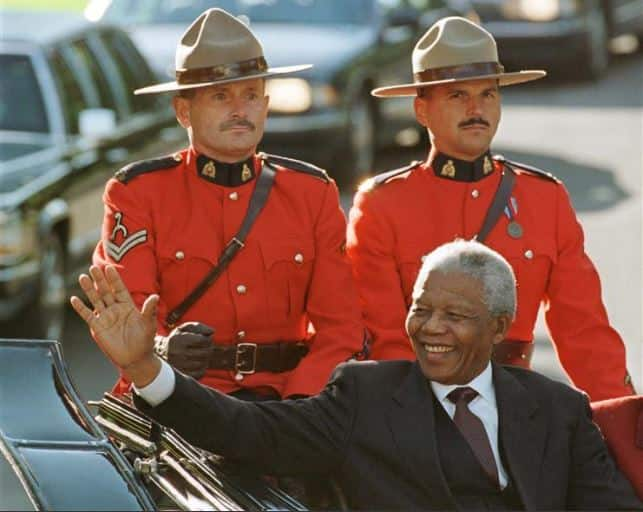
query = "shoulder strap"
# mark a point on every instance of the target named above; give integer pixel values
(257, 202)
(382, 178)
(498, 204)
(130, 171)
(529, 168)
(297, 165)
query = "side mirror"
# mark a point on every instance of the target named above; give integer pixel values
(96, 123)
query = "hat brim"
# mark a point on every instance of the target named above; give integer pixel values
(504, 79)
(175, 86)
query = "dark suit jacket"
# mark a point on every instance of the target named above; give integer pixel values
(372, 428)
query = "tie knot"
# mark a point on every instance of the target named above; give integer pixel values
(465, 394)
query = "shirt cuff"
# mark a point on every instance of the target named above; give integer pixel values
(160, 388)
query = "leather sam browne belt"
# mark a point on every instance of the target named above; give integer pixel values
(513, 352)
(248, 358)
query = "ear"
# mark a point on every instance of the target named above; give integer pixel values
(502, 324)
(182, 111)
(419, 105)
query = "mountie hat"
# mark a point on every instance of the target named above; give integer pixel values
(452, 50)
(218, 48)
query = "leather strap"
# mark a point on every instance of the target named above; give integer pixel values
(498, 204)
(514, 353)
(247, 358)
(257, 202)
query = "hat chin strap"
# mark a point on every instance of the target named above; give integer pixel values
(459, 72)
(241, 69)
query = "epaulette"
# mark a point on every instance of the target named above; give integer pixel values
(530, 169)
(130, 171)
(296, 165)
(384, 177)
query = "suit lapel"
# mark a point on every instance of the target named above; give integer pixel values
(522, 434)
(412, 423)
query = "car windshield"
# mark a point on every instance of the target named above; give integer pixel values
(21, 105)
(275, 11)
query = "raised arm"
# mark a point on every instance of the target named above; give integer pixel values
(123, 333)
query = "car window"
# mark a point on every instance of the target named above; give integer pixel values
(133, 68)
(72, 97)
(88, 61)
(277, 11)
(21, 104)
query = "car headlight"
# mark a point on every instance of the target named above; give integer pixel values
(295, 95)
(17, 238)
(540, 10)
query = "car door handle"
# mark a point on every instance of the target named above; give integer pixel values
(116, 155)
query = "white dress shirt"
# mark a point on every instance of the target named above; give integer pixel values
(483, 406)
(160, 388)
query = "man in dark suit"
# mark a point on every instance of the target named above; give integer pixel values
(450, 430)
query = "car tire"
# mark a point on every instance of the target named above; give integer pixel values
(361, 139)
(595, 57)
(45, 316)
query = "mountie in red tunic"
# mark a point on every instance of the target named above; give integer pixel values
(401, 216)
(166, 223)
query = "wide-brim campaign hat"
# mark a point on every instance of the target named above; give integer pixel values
(218, 48)
(452, 50)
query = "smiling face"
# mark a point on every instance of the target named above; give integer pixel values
(462, 117)
(451, 328)
(226, 121)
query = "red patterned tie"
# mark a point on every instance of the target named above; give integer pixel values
(473, 430)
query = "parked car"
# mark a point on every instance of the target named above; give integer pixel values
(56, 455)
(560, 34)
(68, 121)
(324, 115)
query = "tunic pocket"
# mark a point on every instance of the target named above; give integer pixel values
(288, 264)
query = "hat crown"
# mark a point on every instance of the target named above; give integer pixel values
(453, 41)
(216, 38)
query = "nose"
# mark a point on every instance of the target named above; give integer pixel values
(238, 108)
(433, 324)
(474, 106)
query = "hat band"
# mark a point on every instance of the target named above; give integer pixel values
(463, 71)
(222, 71)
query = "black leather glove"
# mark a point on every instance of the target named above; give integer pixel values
(187, 348)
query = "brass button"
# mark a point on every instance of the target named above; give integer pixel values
(238, 376)
(475, 193)
(299, 257)
(529, 254)
(241, 289)
(180, 255)
(241, 335)
(233, 196)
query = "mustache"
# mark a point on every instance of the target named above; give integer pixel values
(228, 125)
(473, 121)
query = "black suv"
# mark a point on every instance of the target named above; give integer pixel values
(68, 120)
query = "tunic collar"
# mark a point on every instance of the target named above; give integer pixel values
(445, 166)
(223, 173)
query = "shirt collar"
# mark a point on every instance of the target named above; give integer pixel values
(448, 167)
(223, 173)
(483, 384)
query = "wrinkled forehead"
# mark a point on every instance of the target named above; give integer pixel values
(454, 284)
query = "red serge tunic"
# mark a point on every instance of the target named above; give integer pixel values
(393, 224)
(165, 227)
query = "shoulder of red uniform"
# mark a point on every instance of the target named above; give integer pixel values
(131, 171)
(527, 169)
(295, 165)
(388, 177)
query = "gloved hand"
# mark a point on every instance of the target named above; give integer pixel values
(187, 348)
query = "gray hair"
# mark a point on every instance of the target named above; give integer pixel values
(480, 262)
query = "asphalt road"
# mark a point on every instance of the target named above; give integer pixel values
(590, 136)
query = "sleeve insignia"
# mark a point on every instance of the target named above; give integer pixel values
(127, 241)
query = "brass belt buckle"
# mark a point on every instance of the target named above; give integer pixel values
(241, 350)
